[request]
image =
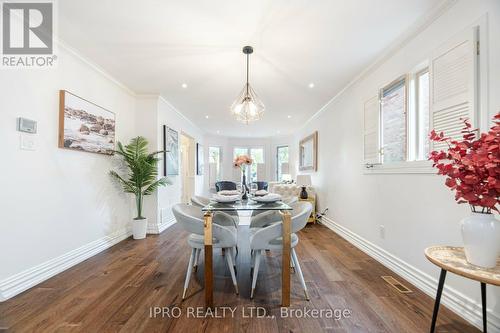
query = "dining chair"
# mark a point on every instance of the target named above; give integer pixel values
(225, 237)
(228, 219)
(262, 219)
(261, 185)
(225, 185)
(270, 237)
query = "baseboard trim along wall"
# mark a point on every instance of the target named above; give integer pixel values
(158, 229)
(22, 281)
(451, 298)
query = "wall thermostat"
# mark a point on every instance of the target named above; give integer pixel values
(26, 125)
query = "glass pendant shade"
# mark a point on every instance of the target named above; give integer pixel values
(247, 107)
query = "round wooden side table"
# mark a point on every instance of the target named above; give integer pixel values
(452, 259)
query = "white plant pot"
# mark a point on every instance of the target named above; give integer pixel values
(481, 236)
(139, 228)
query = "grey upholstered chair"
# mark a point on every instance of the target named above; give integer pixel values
(224, 237)
(270, 237)
(261, 185)
(225, 185)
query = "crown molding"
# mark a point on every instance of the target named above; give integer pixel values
(94, 66)
(419, 26)
(120, 84)
(181, 114)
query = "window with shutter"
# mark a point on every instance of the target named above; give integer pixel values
(438, 94)
(393, 120)
(453, 85)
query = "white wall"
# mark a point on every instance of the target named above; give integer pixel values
(170, 195)
(416, 210)
(61, 206)
(56, 200)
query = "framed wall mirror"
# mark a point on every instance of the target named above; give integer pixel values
(308, 153)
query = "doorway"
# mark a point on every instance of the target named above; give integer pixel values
(188, 160)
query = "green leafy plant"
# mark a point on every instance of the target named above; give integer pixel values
(143, 171)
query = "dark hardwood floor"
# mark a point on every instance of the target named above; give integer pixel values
(118, 290)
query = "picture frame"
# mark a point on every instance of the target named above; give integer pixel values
(170, 151)
(85, 126)
(308, 153)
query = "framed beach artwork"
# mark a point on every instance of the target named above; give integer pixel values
(171, 151)
(84, 125)
(199, 159)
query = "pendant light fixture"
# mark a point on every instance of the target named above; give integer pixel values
(247, 107)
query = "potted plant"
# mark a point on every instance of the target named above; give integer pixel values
(472, 168)
(242, 162)
(142, 178)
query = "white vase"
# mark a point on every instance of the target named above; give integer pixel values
(481, 236)
(139, 228)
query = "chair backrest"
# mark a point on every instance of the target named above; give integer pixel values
(300, 214)
(225, 185)
(199, 201)
(191, 219)
(290, 200)
(261, 185)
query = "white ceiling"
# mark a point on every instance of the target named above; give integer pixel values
(155, 46)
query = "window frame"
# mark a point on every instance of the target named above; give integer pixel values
(405, 79)
(220, 167)
(278, 166)
(419, 144)
(249, 153)
(412, 164)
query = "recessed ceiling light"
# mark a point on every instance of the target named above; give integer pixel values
(184, 85)
(206, 116)
(311, 85)
(289, 116)
(218, 132)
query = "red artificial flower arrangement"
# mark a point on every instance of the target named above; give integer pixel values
(471, 166)
(241, 161)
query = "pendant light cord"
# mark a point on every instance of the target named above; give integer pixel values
(248, 62)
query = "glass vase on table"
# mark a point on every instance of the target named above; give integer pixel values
(244, 188)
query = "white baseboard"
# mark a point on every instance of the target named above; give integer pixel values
(454, 300)
(159, 228)
(20, 282)
(165, 225)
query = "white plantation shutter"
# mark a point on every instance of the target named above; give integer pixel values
(453, 71)
(371, 132)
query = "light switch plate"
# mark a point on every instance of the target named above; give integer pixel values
(28, 142)
(26, 125)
